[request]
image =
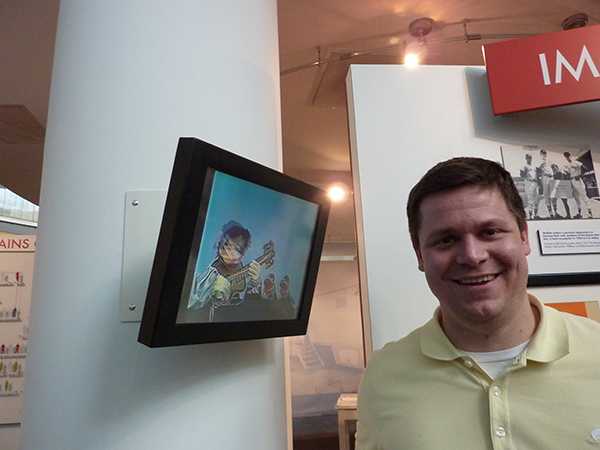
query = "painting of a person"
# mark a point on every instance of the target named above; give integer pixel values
(284, 288)
(226, 280)
(268, 291)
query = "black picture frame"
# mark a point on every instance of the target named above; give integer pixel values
(183, 221)
(563, 279)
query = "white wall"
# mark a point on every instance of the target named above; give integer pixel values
(402, 122)
(130, 78)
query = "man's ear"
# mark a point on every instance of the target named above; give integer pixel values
(525, 239)
(419, 256)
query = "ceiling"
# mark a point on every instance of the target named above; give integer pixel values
(27, 29)
(335, 33)
(343, 32)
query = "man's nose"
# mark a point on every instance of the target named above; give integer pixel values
(471, 251)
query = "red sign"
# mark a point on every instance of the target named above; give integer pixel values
(552, 69)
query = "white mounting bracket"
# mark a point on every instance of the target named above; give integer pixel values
(143, 216)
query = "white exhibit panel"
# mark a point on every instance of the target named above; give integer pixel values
(405, 120)
(129, 79)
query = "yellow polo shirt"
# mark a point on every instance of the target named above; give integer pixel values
(422, 393)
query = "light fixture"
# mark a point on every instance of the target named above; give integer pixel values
(411, 59)
(575, 21)
(337, 193)
(421, 27)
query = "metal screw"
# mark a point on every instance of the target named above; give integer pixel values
(135, 203)
(132, 307)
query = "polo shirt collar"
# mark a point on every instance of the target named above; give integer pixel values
(550, 341)
(434, 342)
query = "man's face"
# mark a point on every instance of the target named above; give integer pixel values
(473, 254)
(231, 250)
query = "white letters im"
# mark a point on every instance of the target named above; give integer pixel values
(561, 62)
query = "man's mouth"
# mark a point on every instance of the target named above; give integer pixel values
(476, 281)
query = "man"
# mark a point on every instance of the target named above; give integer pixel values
(527, 173)
(494, 368)
(575, 170)
(546, 177)
(562, 189)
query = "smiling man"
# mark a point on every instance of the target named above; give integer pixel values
(494, 368)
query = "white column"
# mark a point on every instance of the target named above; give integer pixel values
(129, 78)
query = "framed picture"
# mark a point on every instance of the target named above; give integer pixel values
(559, 188)
(238, 251)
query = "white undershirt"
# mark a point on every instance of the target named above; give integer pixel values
(497, 363)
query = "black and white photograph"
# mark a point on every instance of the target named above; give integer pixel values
(555, 182)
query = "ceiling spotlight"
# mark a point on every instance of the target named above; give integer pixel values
(336, 193)
(411, 59)
(421, 27)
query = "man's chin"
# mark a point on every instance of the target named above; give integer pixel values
(482, 311)
(477, 310)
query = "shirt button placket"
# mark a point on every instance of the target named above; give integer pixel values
(498, 417)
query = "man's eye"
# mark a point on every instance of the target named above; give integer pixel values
(490, 232)
(445, 241)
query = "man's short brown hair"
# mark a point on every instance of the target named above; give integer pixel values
(458, 172)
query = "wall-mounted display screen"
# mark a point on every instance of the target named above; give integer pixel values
(238, 251)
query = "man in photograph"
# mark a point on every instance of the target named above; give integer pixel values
(575, 170)
(527, 173)
(494, 368)
(546, 178)
(562, 189)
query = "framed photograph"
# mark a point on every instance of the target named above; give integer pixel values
(559, 188)
(555, 183)
(238, 251)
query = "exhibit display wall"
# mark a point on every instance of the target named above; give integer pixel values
(403, 121)
(328, 360)
(129, 79)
